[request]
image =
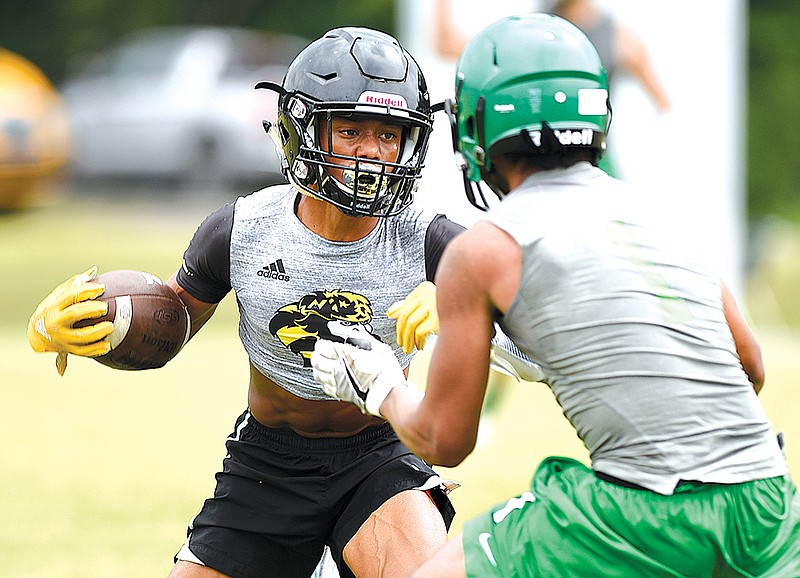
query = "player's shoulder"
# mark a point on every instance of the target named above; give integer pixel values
(485, 234)
(415, 213)
(484, 245)
(265, 202)
(482, 265)
(412, 220)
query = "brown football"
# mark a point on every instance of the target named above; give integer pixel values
(151, 323)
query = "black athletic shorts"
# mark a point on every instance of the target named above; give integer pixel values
(281, 497)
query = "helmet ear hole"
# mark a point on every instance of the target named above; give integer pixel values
(284, 134)
(469, 126)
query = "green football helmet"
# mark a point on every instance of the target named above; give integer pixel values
(532, 84)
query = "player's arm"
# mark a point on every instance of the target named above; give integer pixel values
(477, 278)
(745, 340)
(199, 311)
(203, 279)
(634, 58)
(449, 41)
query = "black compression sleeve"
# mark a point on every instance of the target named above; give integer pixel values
(440, 232)
(206, 269)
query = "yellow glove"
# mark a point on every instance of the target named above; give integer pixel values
(50, 328)
(416, 316)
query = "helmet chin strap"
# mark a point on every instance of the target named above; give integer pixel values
(498, 184)
(487, 168)
(475, 193)
(333, 187)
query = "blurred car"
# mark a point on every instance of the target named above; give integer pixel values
(179, 103)
(34, 140)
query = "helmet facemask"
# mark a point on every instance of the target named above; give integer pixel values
(361, 186)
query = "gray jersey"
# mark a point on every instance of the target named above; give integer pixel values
(602, 32)
(293, 286)
(628, 327)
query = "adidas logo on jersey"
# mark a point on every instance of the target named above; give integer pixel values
(274, 270)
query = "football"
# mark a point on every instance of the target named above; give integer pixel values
(151, 323)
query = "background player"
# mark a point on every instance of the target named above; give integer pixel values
(620, 48)
(641, 343)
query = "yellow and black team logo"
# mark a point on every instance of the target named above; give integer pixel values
(336, 315)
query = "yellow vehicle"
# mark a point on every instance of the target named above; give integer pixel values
(34, 133)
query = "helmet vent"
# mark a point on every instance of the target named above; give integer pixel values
(323, 78)
(379, 60)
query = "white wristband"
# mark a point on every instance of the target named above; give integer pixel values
(375, 396)
(379, 391)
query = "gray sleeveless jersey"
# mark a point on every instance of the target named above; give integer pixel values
(293, 286)
(603, 35)
(628, 327)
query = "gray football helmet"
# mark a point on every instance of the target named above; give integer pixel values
(354, 72)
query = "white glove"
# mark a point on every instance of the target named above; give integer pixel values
(363, 377)
(506, 357)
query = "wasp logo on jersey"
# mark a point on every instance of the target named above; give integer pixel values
(341, 316)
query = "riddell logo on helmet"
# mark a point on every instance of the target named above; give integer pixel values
(566, 137)
(383, 99)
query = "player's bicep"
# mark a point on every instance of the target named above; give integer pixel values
(199, 311)
(205, 270)
(204, 277)
(462, 293)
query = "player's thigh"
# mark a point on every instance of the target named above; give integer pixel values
(448, 562)
(183, 569)
(401, 534)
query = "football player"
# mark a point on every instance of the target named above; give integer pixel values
(641, 343)
(323, 256)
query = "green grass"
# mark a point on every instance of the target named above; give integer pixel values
(103, 469)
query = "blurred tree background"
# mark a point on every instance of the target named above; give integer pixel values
(52, 33)
(773, 116)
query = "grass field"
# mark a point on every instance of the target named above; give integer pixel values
(103, 469)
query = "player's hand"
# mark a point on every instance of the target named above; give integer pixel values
(416, 316)
(363, 377)
(50, 328)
